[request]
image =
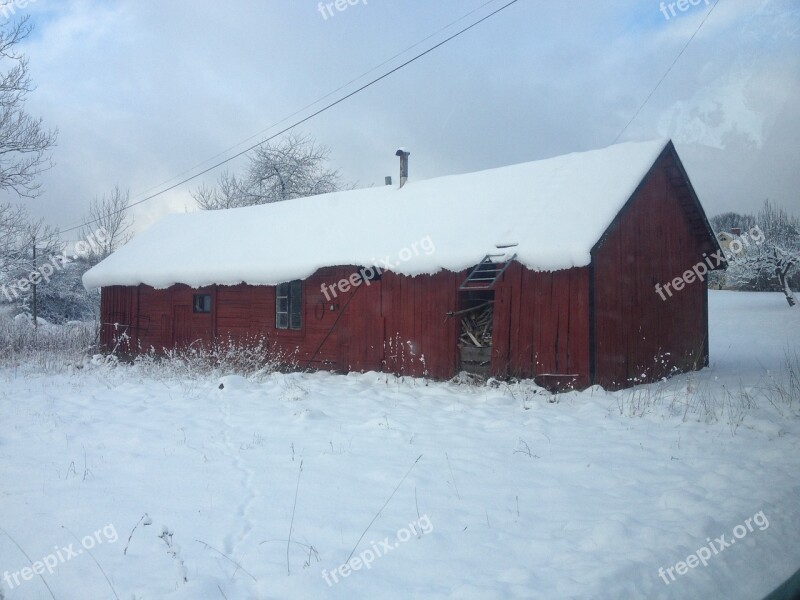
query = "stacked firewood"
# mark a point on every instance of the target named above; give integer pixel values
(476, 328)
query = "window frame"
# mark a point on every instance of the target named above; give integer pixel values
(289, 306)
(205, 308)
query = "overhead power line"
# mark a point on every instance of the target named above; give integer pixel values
(317, 101)
(664, 76)
(311, 116)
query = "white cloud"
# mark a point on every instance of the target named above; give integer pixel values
(144, 91)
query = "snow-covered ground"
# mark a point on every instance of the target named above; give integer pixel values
(497, 491)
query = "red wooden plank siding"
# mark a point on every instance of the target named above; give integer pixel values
(639, 336)
(116, 310)
(541, 324)
(420, 339)
(396, 323)
(503, 337)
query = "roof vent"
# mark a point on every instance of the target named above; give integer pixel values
(387, 180)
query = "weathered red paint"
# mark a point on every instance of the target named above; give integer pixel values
(660, 234)
(602, 323)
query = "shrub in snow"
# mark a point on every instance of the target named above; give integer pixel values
(252, 357)
(48, 347)
(783, 388)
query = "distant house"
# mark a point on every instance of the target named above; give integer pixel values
(724, 239)
(546, 269)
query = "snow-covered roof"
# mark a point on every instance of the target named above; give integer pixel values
(554, 210)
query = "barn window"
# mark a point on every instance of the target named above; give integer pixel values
(201, 303)
(288, 305)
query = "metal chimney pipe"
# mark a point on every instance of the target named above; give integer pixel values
(403, 154)
(387, 180)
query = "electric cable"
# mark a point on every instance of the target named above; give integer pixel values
(301, 121)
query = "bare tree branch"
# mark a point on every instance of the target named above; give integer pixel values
(293, 168)
(24, 141)
(18, 234)
(110, 215)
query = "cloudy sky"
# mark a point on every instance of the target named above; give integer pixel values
(144, 93)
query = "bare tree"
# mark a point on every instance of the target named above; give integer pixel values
(109, 214)
(19, 235)
(293, 168)
(24, 142)
(13, 220)
(229, 193)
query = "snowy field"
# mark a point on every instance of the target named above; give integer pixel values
(129, 482)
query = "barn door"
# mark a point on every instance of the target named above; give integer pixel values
(477, 343)
(476, 320)
(181, 321)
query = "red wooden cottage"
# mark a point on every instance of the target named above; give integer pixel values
(575, 270)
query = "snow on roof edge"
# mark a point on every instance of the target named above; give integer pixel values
(555, 209)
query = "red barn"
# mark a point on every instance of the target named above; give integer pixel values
(582, 269)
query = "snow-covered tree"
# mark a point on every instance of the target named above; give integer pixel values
(293, 168)
(13, 241)
(56, 277)
(63, 298)
(18, 235)
(24, 244)
(774, 263)
(725, 222)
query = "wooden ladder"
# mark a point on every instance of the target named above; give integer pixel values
(487, 272)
